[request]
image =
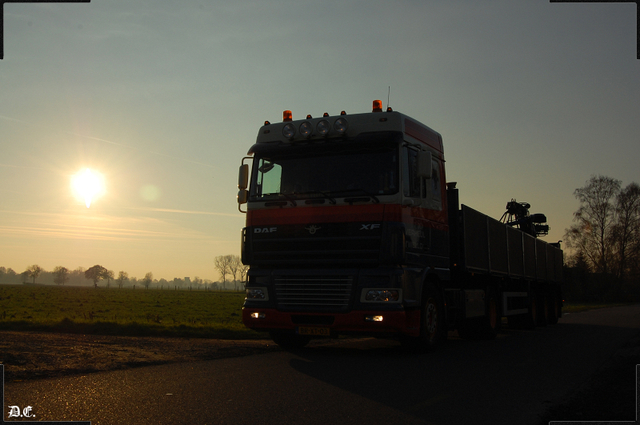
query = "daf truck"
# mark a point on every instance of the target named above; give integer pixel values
(353, 229)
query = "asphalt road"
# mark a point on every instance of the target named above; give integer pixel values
(511, 380)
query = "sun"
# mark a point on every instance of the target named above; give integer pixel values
(88, 185)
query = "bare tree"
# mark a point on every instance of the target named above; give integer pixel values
(122, 277)
(148, 278)
(33, 271)
(221, 264)
(60, 275)
(626, 231)
(235, 265)
(108, 275)
(595, 218)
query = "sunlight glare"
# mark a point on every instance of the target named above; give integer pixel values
(88, 185)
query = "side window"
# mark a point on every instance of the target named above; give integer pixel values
(410, 179)
(269, 177)
(436, 185)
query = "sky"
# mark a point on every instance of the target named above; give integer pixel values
(164, 98)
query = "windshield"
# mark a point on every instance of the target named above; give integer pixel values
(326, 171)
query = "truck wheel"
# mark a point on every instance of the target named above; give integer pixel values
(486, 327)
(433, 329)
(554, 308)
(530, 319)
(490, 324)
(289, 341)
(543, 312)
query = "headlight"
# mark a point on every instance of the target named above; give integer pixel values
(341, 125)
(370, 295)
(257, 294)
(289, 131)
(306, 128)
(323, 128)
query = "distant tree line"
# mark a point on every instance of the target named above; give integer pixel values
(99, 275)
(604, 240)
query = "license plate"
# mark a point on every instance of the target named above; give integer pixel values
(311, 331)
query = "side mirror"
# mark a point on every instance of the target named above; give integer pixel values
(243, 177)
(424, 164)
(243, 196)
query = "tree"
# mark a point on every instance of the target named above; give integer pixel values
(607, 230)
(122, 277)
(235, 265)
(148, 278)
(221, 264)
(108, 275)
(96, 273)
(626, 231)
(60, 275)
(592, 233)
(33, 272)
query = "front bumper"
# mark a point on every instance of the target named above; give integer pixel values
(354, 322)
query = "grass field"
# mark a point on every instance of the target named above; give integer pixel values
(140, 312)
(115, 311)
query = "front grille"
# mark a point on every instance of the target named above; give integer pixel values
(340, 244)
(306, 250)
(331, 293)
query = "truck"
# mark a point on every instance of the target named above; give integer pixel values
(353, 229)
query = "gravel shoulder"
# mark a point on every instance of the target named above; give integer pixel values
(36, 355)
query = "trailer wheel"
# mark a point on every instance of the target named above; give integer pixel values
(289, 341)
(529, 319)
(542, 318)
(486, 327)
(555, 311)
(490, 324)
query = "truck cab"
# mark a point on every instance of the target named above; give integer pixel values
(345, 215)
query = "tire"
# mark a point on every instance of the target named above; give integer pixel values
(289, 341)
(542, 318)
(555, 310)
(529, 319)
(433, 330)
(490, 324)
(486, 327)
(432, 320)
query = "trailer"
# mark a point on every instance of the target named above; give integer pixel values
(352, 228)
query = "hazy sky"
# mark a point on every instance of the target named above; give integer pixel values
(164, 98)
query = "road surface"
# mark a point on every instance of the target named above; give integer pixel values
(511, 380)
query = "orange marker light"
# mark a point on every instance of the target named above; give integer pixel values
(287, 116)
(377, 106)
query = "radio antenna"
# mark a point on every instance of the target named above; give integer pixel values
(388, 96)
